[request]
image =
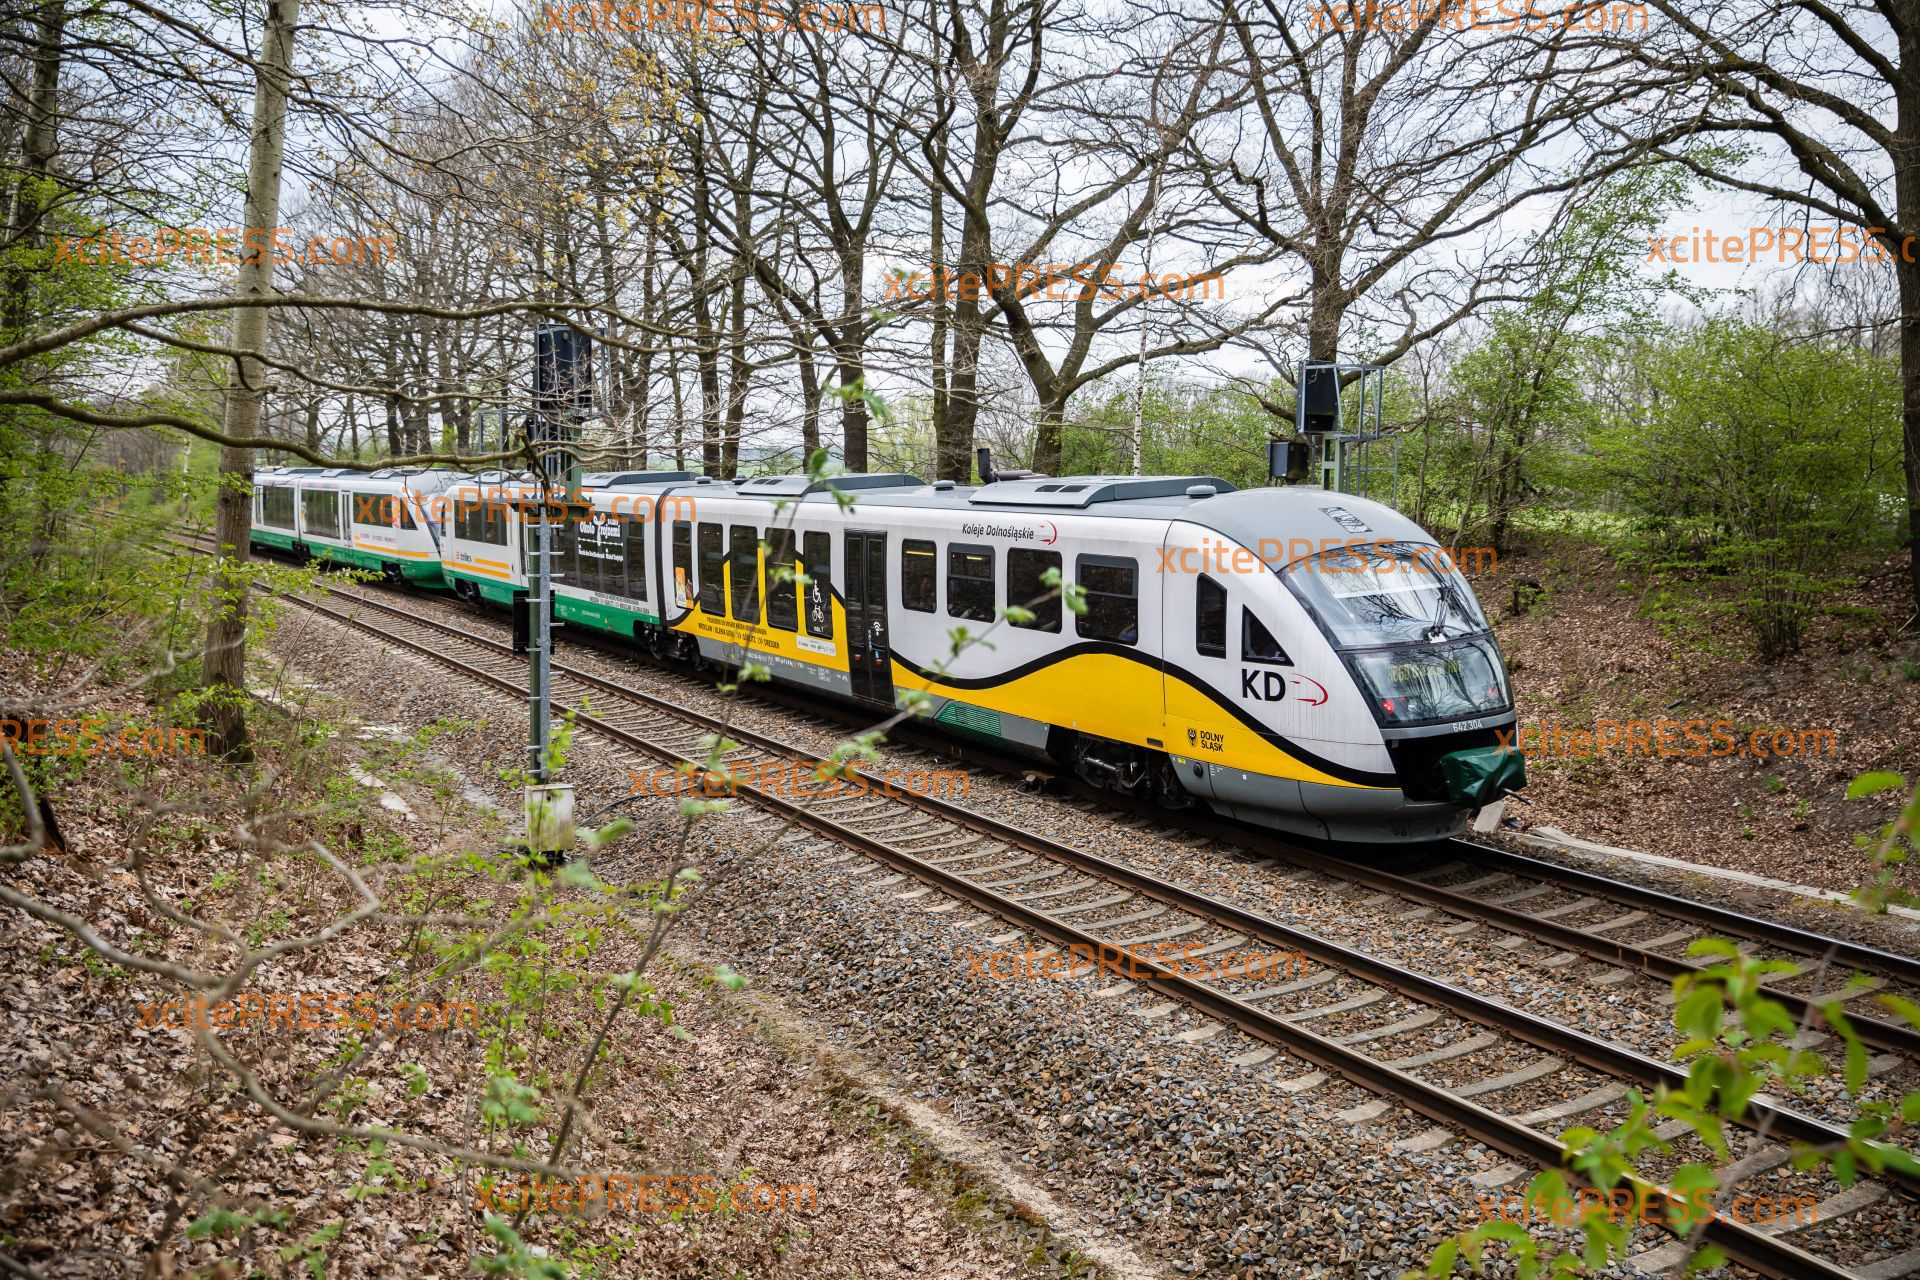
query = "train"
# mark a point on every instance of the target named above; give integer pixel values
(1303, 660)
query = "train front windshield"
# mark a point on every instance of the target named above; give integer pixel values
(1408, 627)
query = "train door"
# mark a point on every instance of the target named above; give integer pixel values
(682, 568)
(869, 662)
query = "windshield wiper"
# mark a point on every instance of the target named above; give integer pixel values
(1440, 624)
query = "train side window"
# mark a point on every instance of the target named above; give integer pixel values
(320, 512)
(1112, 584)
(493, 522)
(463, 516)
(682, 564)
(613, 554)
(746, 573)
(636, 558)
(919, 576)
(1210, 619)
(373, 509)
(592, 554)
(713, 561)
(403, 500)
(970, 583)
(276, 506)
(566, 552)
(782, 612)
(1257, 643)
(1025, 569)
(817, 563)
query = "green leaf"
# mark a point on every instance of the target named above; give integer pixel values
(1855, 1071)
(217, 1222)
(1706, 1258)
(579, 875)
(1845, 1168)
(1698, 1015)
(1441, 1264)
(1873, 783)
(1906, 1010)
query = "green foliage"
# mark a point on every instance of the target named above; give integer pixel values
(1890, 847)
(1520, 408)
(311, 1251)
(1758, 462)
(515, 1258)
(1736, 1042)
(1220, 432)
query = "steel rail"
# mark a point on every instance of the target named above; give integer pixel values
(1765, 1253)
(1769, 1255)
(1786, 937)
(1556, 1037)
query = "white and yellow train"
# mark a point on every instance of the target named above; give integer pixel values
(1305, 660)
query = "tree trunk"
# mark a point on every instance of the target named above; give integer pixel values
(739, 375)
(1909, 274)
(1046, 437)
(853, 409)
(643, 372)
(226, 657)
(849, 354)
(30, 199)
(810, 392)
(679, 412)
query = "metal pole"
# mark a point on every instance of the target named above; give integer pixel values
(539, 671)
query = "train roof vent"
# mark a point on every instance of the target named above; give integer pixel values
(1084, 491)
(603, 479)
(794, 486)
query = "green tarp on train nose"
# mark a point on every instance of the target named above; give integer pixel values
(1477, 776)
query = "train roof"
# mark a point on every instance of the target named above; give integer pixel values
(1248, 516)
(378, 480)
(622, 479)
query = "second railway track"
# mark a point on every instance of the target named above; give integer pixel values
(1075, 898)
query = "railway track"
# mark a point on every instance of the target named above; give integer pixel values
(1075, 898)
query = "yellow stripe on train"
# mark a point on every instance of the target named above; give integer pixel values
(1115, 697)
